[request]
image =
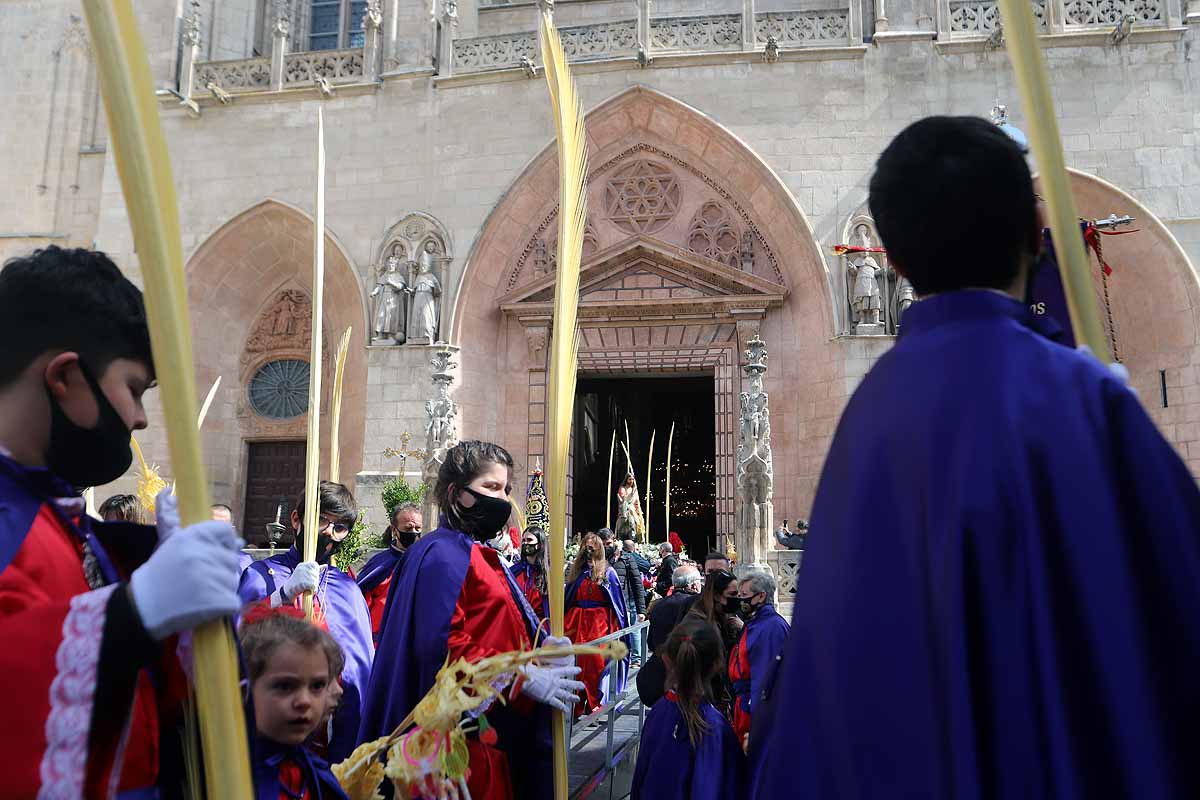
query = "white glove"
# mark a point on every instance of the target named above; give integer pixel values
(166, 513)
(303, 579)
(561, 661)
(552, 686)
(1118, 370)
(191, 578)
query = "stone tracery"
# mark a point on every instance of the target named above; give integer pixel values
(714, 235)
(642, 197)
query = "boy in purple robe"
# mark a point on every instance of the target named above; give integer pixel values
(337, 602)
(1001, 589)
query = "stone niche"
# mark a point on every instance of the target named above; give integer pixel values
(411, 269)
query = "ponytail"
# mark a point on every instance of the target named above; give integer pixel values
(693, 654)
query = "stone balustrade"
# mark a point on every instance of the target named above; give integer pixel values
(580, 43)
(335, 66)
(966, 19)
(785, 565)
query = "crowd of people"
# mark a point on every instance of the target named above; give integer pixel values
(1024, 627)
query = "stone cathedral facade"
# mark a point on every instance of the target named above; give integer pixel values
(731, 142)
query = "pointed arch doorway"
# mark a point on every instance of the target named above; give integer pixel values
(693, 246)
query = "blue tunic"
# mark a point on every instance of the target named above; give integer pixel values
(269, 756)
(349, 625)
(670, 768)
(1001, 588)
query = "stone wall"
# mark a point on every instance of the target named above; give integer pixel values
(454, 149)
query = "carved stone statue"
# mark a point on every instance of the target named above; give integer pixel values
(391, 290)
(427, 289)
(865, 297)
(755, 468)
(906, 295)
(441, 429)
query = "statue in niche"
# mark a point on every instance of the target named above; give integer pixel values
(865, 298)
(391, 289)
(906, 295)
(426, 289)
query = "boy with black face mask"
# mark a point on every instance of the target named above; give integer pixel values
(375, 578)
(88, 610)
(338, 603)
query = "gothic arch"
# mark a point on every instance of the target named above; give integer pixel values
(233, 276)
(501, 398)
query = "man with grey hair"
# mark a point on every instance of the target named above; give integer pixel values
(662, 584)
(756, 656)
(665, 614)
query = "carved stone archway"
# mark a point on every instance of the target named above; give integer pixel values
(695, 245)
(236, 280)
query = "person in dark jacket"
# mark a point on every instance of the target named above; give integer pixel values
(665, 614)
(631, 584)
(662, 584)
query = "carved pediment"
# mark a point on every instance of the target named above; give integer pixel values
(655, 277)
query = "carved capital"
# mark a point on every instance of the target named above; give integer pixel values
(537, 337)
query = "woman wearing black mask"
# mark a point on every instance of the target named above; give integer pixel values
(718, 605)
(375, 578)
(454, 598)
(530, 572)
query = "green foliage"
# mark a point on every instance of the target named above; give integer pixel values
(358, 540)
(397, 492)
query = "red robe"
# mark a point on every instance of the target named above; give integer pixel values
(592, 618)
(82, 717)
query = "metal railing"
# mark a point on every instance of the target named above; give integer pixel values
(625, 703)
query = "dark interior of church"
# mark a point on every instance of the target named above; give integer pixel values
(648, 405)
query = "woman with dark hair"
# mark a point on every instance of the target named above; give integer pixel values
(718, 605)
(453, 599)
(531, 570)
(595, 607)
(688, 749)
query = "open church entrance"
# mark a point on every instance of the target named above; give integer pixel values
(649, 405)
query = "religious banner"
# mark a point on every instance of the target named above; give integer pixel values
(537, 514)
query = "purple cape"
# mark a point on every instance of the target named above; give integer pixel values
(1001, 587)
(669, 768)
(413, 639)
(766, 636)
(349, 625)
(379, 568)
(612, 682)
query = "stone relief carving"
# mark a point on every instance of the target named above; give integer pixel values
(550, 244)
(755, 469)
(713, 235)
(286, 324)
(421, 245)
(642, 197)
(762, 256)
(536, 338)
(441, 429)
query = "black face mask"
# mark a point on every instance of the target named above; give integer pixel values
(327, 547)
(530, 550)
(407, 538)
(611, 552)
(747, 609)
(733, 605)
(482, 520)
(88, 456)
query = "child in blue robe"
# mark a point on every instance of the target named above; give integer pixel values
(688, 749)
(293, 667)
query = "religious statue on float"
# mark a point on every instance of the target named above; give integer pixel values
(427, 290)
(392, 291)
(631, 523)
(866, 298)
